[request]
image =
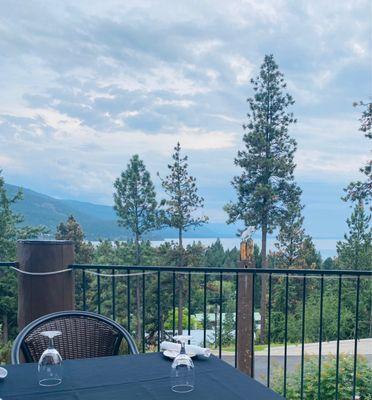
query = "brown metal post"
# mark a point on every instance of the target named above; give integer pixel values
(41, 295)
(245, 310)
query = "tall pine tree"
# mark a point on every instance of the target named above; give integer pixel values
(180, 205)
(137, 210)
(266, 186)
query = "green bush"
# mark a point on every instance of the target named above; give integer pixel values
(328, 379)
(5, 350)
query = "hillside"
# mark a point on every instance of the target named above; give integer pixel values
(98, 221)
(39, 209)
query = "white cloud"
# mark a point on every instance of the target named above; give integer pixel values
(330, 148)
(161, 77)
(242, 69)
(86, 84)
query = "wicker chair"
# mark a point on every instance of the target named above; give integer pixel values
(84, 335)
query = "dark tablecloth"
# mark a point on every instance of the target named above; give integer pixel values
(144, 376)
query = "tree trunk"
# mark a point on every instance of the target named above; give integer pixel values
(180, 284)
(263, 283)
(5, 335)
(138, 294)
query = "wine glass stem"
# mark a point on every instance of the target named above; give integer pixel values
(51, 343)
(183, 348)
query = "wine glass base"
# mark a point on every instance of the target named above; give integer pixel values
(182, 388)
(50, 382)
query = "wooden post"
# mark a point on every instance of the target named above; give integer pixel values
(41, 295)
(245, 310)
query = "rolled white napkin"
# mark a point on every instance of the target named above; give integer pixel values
(199, 351)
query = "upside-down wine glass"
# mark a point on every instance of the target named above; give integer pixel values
(182, 373)
(50, 363)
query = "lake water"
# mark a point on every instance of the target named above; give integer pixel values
(327, 247)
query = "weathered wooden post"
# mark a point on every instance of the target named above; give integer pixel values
(43, 294)
(245, 310)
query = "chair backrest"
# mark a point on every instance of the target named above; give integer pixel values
(84, 335)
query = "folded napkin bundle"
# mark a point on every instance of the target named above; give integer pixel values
(199, 351)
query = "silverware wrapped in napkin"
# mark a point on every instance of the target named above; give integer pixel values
(199, 351)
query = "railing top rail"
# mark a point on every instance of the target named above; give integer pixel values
(211, 270)
(8, 264)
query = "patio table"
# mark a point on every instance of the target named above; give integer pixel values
(143, 376)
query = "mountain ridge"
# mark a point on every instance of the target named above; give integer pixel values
(98, 221)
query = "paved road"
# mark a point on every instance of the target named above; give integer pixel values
(294, 355)
(293, 362)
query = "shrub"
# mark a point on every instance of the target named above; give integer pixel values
(5, 350)
(328, 379)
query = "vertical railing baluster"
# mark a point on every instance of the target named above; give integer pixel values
(320, 334)
(338, 332)
(269, 334)
(128, 300)
(356, 334)
(98, 291)
(189, 306)
(205, 312)
(174, 303)
(220, 317)
(303, 336)
(236, 317)
(84, 290)
(253, 322)
(285, 336)
(113, 289)
(143, 312)
(158, 309)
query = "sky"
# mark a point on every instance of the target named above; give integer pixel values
(86, 84)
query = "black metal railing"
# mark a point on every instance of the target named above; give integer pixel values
(145, 299)
(5, 264)
(285, 287)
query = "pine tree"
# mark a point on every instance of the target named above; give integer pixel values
(310, 257)
(328, 263)
(137, 210)
(215, 255)
(290, 238)
(362, 191)
(266, 186)
(71, 230)
(355, 252)
(181, 203)
(84, 252)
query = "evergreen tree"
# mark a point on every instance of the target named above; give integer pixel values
(266, 186)
(215, 255)
(290, 238)
(181, 203)
(84, 252)
(310, 257)
(328, 263)
(355, 252)
(362, 191)
(137, 210)
(71, 230)
(12, 228)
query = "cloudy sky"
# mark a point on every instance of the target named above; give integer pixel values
(85, 84)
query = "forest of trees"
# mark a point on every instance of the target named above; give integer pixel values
(267, 199)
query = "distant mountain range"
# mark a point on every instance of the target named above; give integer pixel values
(98, 221)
